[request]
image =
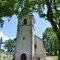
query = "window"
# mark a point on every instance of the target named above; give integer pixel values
(23, 38)
(35, 46)
(25, 22)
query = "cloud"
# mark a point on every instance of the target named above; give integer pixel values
(4, 37)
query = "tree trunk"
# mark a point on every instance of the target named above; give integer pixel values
(58, 35)
(59, 50)
(54, 25)
(55, 52)
(50, 48)
(55, 49)
(10, 53)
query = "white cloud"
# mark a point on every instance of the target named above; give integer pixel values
(4, 37)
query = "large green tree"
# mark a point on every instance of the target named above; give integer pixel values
(52, 15)
(7, 9)
(22, 6)
(51, 42)
(9, 45)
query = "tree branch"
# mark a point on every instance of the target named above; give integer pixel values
(50, 16)
(55, 6)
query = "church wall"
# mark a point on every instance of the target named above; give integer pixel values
(24, 46)
(29, 20)
(39, 50)
(32, 42)
(26, 41)
(25, 38)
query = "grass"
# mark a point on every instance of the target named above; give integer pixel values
(10, 58)
(7, 58)
(55, 57)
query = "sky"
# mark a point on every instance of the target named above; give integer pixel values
(9, 30)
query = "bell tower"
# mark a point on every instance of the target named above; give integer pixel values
(24, 49)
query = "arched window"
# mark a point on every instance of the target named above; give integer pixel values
(25, 22)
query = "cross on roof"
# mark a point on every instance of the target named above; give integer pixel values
(1, 42)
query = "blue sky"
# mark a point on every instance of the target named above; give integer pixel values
(40, 25)
(9, 29)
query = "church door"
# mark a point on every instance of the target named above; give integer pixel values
(23, 57)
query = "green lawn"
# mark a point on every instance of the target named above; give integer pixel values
(55, 57)
(8, 58)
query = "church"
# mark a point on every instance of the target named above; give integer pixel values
(28, 46)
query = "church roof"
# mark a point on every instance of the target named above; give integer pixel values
(38, 37)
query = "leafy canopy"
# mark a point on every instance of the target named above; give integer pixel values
(51, 43)
(9, 45)
(7, 9)
(19, 7)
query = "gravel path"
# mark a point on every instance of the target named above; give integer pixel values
(49, 58)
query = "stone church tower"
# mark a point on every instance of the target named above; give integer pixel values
(24, 49)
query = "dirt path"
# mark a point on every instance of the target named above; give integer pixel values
(49, 58)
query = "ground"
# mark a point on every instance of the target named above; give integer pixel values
(8, 58)
(52, 58)
(49, 58)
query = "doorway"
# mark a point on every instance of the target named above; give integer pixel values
(23, 56)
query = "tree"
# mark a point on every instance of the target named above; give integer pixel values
(7, 9)
(9, 45)
(2, 50)
(51, 42)
(52, 15)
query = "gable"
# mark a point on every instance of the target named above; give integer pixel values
(37, 39)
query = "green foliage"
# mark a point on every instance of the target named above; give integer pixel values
(7, 58)
(7, 9)
(2, 50)
(55, 57)
(20, 7)
(9, 45)
(51, 42)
